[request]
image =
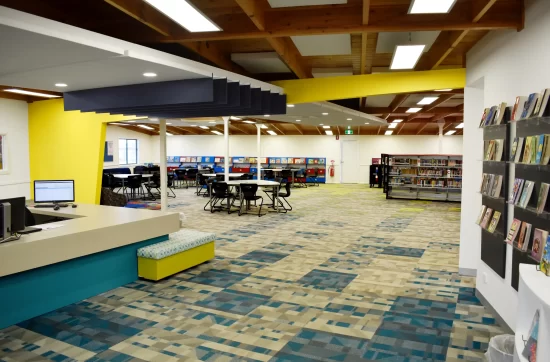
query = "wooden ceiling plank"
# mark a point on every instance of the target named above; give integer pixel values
(298, 128)
(255, 9)
(157, 21)
(442, 99)
(480, 8)
(238, 128)
(278, 129)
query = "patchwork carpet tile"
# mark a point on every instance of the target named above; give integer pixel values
(346, 276)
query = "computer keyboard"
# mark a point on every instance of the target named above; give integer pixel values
(49, 206)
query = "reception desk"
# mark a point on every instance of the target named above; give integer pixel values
(92, 251)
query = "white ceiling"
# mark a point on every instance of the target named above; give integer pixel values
(268, 62)
(331, 72)
(333, 44)
(380, 101)
(388, 41)
(37, 53)
(291, 3)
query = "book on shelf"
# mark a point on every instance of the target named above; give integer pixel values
(499, 148)
(481, 214)
(519, 191)
(526, 194)
(545, 260)
(497, 186)
(529, 105)
(524, 236)
(494, 222)
(527, 151)
(483, 117)
(501, 109)
(539, 238)
(490, 116)
(530, 349)
(534, 142)
(519, 149)
(514, 149)
(518, 107)
(486, 218)
(544, 102)
(490, 151)
(513, 232)
(543, 195)
(540, 149)
(546, 150)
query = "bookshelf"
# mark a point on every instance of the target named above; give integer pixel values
(246, 164)
(422, 177)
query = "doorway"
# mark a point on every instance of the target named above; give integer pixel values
(350, 162)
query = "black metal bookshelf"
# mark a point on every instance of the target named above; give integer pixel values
(539, 174)
(493, 245)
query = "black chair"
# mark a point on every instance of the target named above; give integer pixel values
(315, 177)
(170, 185)
(155, 184)
(191, 176)
(302, 177)
(248, 194)
(180, 176)
(269, 174)
(284, 196)
(219, 193)
(140, 170)
(202, 186)
(286, 175)
(135, 185)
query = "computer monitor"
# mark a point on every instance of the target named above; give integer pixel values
(53, 191)
(17, 213)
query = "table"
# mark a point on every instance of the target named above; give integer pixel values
(234, 175)
(92, 252)
(263, 183)
(124, 176)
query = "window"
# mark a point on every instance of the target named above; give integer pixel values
(127, 151)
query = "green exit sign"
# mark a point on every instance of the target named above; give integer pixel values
(349, 131)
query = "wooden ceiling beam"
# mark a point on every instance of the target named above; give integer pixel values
(238, 128)
(255, 9)
(278, 129)
(298, 128)
(154, 19)
(426, 109)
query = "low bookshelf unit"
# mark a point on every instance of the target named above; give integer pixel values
(423, 177)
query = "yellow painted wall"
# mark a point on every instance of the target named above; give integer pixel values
(68, 145)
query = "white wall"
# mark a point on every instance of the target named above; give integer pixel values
(114, 133)
(309, 146)
(503, 65)
(14, 123)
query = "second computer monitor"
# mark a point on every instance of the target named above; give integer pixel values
(17, 213)
(53, 191)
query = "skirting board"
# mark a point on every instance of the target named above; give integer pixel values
(467, 272)
(34, 292)
(499, 319)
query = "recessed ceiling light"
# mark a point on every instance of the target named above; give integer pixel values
(247, 121)
(388, 133)
(443, 90)
(321, 124)
(325, 114)
(131, 121)
(298, 120)
(406, 56)
(397, 121)
(290, 105)
(427, 100)
(367, 123)
(349, 127)
(329, 133)
(149, 74)
(267, 115)
(235, 118)
(413, 110)
(169, 134)
(184, 14)
(167, 123)
(272, 133)
(263, 126)
(450, 132)
(431, 6)
(213, 122)
(460, 125)
(144, 126)
(120, 124)
(393, 125)
(204, 127)
(326, 126)
(60, 84)
(217, 132)
(349, 119)
(194, 125)
(29, 93)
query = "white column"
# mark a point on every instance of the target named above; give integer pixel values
(163, 168)
(441, 124)
(259, 152)
(226, 139)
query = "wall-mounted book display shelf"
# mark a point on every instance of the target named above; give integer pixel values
(423, 177)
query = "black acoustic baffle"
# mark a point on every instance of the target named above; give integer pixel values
(204, 97)
(539, 174)
(493, 245)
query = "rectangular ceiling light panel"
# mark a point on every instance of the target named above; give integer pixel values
(29, 93)
(393, 125)
(329, 133)
(145, 127)
(294, 3)
(272, 133)
(450, 133)
(217, 132)
(413, 110)
(406, 56)
(460, 125)
(431, 6)
(427, 100)
(184, 14)
(388, 133)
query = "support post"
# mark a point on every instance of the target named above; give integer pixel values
(440, 124)
(259, 152)
(226, 156)
(163, 168)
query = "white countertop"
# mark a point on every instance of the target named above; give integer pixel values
(91, 229)
(125, 175)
